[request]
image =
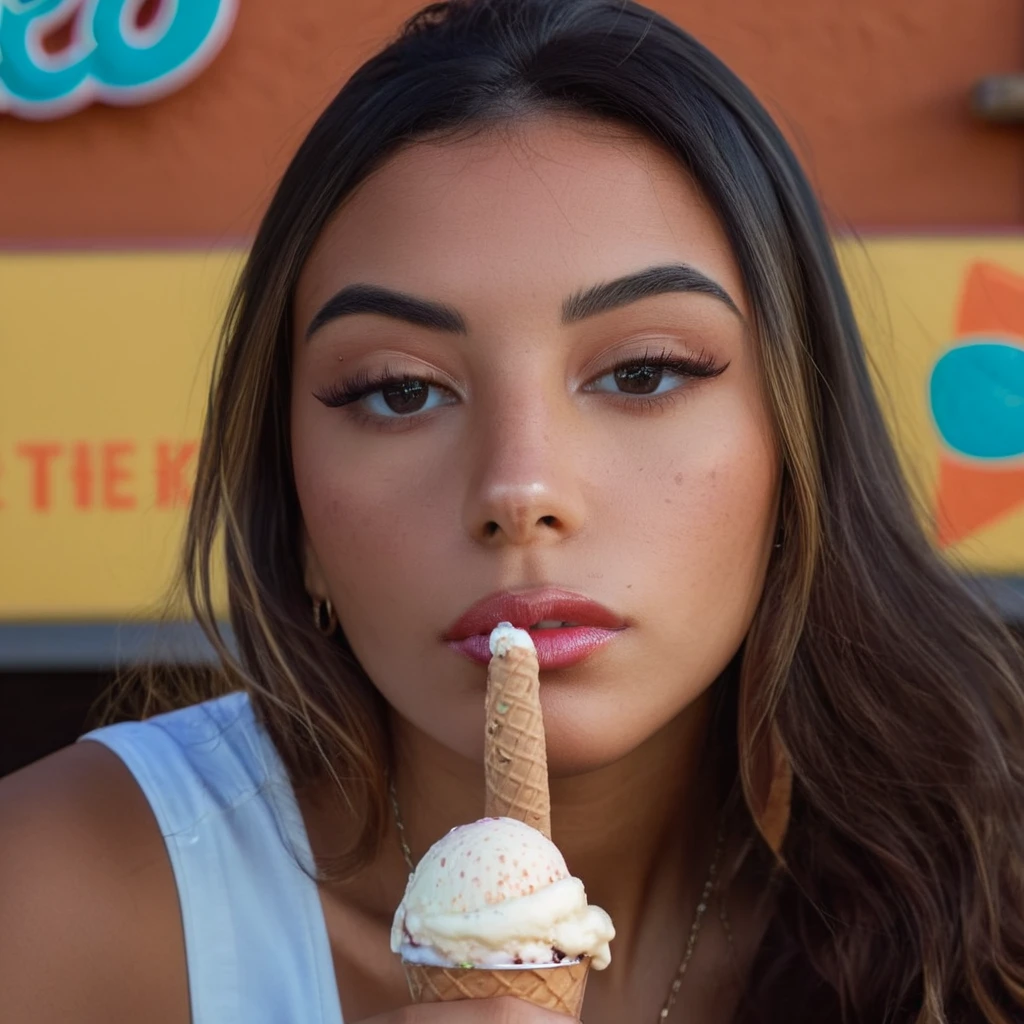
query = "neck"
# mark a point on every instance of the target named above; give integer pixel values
(636, 831)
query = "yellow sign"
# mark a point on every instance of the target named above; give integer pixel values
(104, 366)
(105, 361)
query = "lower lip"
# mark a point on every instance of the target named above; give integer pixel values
(556, 648)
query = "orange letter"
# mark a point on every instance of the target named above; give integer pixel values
(41, 455)
(171, 461)
(82, 475)
(115, 473)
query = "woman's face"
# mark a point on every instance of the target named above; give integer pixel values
(538, 441)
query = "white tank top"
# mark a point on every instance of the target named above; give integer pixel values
(255, 939)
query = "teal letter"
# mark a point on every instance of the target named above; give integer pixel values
(110, 59)
(23, 66)
(121, 63)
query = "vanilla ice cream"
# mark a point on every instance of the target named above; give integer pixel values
(497, 892)
(505, 636)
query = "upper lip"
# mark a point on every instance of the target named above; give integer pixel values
(524, 608)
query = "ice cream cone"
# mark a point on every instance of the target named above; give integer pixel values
(557, 987)
(515, 758)
(495, 895)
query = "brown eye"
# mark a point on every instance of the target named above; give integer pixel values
(405, 397)
(643, 379)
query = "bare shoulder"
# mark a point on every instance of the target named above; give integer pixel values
(90, 926)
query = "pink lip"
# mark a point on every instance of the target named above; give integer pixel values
(556, 648)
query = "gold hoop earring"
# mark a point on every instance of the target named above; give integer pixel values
(324, 617)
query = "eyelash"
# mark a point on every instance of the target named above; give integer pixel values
(363, 384)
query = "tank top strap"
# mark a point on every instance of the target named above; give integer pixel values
(256, 942)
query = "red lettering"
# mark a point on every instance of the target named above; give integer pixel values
(40, 456)
(82, 475)
(171, 462)
(115, 473)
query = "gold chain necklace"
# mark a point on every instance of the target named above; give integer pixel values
(698, 915)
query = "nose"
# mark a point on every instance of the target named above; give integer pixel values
(525, 486)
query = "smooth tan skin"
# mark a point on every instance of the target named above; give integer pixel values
(665, 515)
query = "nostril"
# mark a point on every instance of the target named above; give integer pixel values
(492, 527)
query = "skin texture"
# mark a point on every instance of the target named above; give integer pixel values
(663, 514)
(529, 469)
(90, 926)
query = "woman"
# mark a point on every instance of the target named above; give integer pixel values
(543, 323)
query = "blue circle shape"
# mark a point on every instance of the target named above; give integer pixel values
(977, 399)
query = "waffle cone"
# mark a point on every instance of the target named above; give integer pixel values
(558, 987)
(515, 756)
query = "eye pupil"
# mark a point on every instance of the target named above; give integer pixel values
(639, 380)
(406, 397)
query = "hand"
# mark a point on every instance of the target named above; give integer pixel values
(472, 1011)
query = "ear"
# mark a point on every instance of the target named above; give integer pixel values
(313, 576)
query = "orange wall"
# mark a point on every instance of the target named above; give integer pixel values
(874, 91)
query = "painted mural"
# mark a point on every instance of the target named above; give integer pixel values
(976, 394)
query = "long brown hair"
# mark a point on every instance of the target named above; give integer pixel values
(893, 693)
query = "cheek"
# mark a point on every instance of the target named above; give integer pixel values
(707, 493)
(349, 491)
(359, 533)
(724, 500)
(707, 512)
(376, 523)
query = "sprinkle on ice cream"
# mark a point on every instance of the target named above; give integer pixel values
(497, 892)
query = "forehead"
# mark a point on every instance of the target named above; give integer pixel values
(522, 212)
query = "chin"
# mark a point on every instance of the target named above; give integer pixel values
(568, 764)
(582, 739)
(590, 731)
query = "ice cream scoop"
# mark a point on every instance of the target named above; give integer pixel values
(497, 892)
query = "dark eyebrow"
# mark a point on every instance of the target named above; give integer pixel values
(659, 280)
(371, 298)
(601, 298)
